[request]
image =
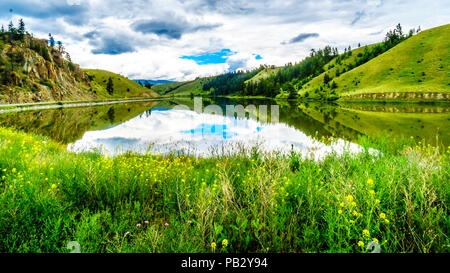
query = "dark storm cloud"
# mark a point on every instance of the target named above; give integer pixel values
(301, 37)
(52, 9)
(171, 29)
(111, 44)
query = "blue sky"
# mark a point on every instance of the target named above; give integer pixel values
(185, 39)
(219, 57)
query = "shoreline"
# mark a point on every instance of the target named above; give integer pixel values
(440, 98)
(18, 107)
(6, 108)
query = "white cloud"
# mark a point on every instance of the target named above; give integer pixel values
(245, 27)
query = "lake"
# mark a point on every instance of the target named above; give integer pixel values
(205, 127)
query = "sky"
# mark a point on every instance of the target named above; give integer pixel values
(185, 39)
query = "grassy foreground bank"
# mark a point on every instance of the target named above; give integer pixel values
(257, 203)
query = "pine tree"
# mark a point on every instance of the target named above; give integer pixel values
(399, 30)
(110, 86)
(11, 27)
(326, 79)
(11, 31)
(21, 30)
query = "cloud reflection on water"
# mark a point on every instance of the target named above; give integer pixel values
(189, 132)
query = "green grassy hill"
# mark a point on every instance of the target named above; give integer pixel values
(334, 68)
(182, 88)
(265, 73)
(123, 87)
(420, 64)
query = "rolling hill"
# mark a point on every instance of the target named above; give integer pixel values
(182, 88)
(123, 87)
(418, 65)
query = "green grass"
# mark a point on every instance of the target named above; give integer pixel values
(265, 73)
(258, 203)
(419, 64)
(123, 87)
(182, 88)
(332, 67)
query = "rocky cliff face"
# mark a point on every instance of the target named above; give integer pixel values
(32, 71)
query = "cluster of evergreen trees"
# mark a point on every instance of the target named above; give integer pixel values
(13, 33)
(230, 82)
(291, 78)
(393, 38)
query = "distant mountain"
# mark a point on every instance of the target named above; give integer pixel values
(153, 82)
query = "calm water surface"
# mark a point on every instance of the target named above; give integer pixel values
(160, 127)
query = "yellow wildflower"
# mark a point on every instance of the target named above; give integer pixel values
(375, 240)
(372, 192)
(361, 243)
(213, 245)
(370, 181)
(382, 215)
(349, 198)
(225, 242)
(377, 201)
(366, 233)
(340, 211)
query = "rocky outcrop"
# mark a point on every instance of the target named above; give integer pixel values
(31, 71)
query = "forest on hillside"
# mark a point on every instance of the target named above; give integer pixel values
(291, 78)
